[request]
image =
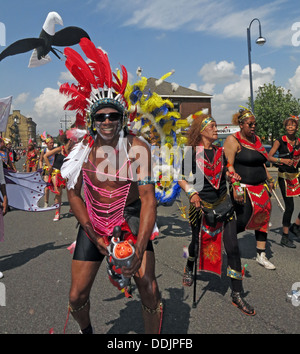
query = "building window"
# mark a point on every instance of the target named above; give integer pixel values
(176, 106)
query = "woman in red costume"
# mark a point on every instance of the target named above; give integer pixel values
(288, 147)
(4, 155)
(210, 193)
(247, 156)
(50, 146)
(57, 183)
(31, 158)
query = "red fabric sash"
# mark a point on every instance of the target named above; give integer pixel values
(257, 145)
(210, 250)
(211, 170)
(59, 182)
(261, 208)
(296, 153)
(292, 187)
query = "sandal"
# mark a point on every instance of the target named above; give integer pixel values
(187, 277)
(241, 304)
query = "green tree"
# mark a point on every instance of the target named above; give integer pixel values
(272, 105)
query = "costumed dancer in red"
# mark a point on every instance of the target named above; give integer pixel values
(102, 166)
(288, 147)
(4, 155)
(13, 156)
(207, 197)
(56, 182)
(31, 158)
(50, 146)
(247, 156)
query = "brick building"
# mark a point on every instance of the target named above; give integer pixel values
(20, 129)
(186, 101)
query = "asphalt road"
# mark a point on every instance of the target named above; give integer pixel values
(36, 265)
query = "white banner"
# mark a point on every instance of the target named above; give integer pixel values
(5, 104)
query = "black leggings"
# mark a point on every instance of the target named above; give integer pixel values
(289, 204)
(231, 247)
(86, 250)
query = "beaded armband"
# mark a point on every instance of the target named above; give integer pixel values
(191, 192)
(231, 273)
(146, 181)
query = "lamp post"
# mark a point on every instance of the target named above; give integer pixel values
(15, 131)
(260, 41)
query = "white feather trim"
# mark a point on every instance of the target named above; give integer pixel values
(76, 134)
(174, 86)
(73, 163)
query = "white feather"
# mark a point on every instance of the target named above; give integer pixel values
(73, 163)
(174, 86)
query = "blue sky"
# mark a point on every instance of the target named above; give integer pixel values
(204, 41)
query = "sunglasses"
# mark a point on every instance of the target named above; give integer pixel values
(114, 116)
(252, 124)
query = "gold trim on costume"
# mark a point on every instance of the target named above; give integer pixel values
(246, 115)
(289, 176)
(205, 123)
(215, 204)
(195, 214)
(234, 274)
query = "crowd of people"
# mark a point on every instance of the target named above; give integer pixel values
(235, 196)
(251, 186)
(47, 159)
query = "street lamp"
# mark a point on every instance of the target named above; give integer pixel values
(15, 131)
(260, 41)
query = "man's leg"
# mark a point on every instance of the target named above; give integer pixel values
(83, 276)
(149, 292)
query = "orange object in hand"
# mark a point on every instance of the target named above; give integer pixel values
(123, 250)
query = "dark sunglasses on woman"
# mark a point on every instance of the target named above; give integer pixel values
(252, 124)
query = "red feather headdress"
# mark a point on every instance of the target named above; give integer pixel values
(96, 84)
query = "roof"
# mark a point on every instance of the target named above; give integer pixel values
(165, 90)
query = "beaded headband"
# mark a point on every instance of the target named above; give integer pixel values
(244, 116)
(205, 123)
(48, 139)
(106, 102)
(295, 118)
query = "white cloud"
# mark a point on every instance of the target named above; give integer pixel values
(66, 76)
(21, 98)
(218, 73)
(225, 103)
(213, 74)
(208, 87)
(48, 110)
(193, 86)
(294, 83)
(225, 18)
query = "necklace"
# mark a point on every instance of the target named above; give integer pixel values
(209, 161)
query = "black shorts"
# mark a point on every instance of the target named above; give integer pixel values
(86, 250)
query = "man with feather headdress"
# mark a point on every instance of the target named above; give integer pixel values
(117, 192)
